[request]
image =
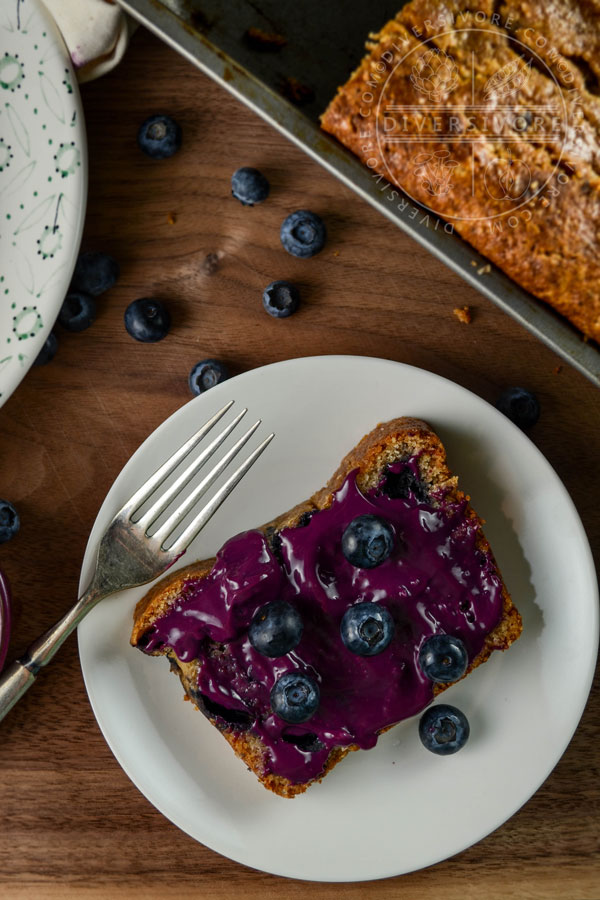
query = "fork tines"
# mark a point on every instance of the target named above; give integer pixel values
(149, 516)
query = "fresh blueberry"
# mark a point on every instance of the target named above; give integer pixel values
(303, 233)
(48, 351)
(147, 320)
(367, 541)
(443, 729)
(94, 273)
(295, 697)
(443, 658)
(281, 299)
(249, 186)
(520, 406)
(9, 521)
(159, 137)
(78, 311)
(367, 629)
(275, 629)
(206, 374)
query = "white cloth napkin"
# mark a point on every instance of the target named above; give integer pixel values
(96, 33)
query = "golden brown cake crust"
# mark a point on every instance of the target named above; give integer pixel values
(388, 442)
(550, 245)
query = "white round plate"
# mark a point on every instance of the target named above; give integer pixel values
(397, 807)
(43, 183)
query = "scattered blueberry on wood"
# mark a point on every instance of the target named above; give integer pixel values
(159, 137)
(78, 311)
(206, 374)
(249, 186)
(48, 351)
(303, 233)
(520, 406)
(94, 273)
(147, 320)
(281, 299)
(9, 521)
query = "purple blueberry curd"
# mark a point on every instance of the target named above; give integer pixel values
(435, 581)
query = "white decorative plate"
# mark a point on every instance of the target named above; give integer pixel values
(43, 182)
(397, 807)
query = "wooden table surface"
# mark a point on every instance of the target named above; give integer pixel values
(73, 825)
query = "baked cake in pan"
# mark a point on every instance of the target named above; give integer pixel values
(488, 113)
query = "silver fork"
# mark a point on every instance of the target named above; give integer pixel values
(128, 554)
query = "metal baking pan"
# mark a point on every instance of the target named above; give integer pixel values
(324, 42)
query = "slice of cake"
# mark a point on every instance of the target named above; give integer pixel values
(302, 640)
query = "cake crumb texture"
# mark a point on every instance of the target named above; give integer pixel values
(463, 314)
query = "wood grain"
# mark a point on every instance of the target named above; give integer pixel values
(73, 825)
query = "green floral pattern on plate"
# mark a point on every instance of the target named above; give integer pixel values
(43, 182)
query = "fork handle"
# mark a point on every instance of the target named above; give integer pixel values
(18, 677)
(14, 681)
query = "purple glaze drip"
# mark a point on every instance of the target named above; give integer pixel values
(435, 581)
